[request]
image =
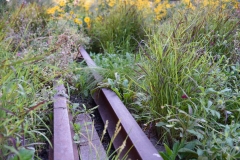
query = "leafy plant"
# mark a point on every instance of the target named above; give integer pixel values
(171, 154)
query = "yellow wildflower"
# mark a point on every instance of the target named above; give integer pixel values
(223, 6)
(53, 10)
(77, 21)
(71, 12)
(50, 11)
(87, 19)
(62, 3)
(111, 3)
(237, 5)
(168, 6)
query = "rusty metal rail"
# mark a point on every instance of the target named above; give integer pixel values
(111, 108)
(63, 146)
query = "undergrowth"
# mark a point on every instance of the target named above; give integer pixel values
(33, 53)
(183, 77)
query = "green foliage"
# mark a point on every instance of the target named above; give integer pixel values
(123, 64)
(189, 84)
(171, 154)
(24, 154)
(119, 74)
(32, 53)
(187, 79)
(117, 71)
(83, 79)
(119, 31)
(172, 68)
(193, 84)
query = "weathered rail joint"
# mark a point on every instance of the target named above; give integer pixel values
(111, 108)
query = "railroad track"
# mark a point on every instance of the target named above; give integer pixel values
(111, 109)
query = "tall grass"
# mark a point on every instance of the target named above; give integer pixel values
(182, 56)
(185, 69)
(120, 30)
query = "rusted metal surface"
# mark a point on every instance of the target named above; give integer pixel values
(91, 147)
(111, 108)
(63, 146)
(50, 152)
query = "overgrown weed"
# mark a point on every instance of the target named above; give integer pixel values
(33, 53)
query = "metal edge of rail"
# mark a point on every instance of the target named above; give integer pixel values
(63, 146)
(111, 108)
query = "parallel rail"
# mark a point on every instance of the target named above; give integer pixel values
(111, 108)
(63, 146)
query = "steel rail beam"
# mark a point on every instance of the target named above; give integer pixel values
(63, 145)
(111, 108)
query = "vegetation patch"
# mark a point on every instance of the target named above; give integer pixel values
(174, 64)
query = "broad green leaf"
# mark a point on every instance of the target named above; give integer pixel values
(209, 104)
(168, 150)
(211, 90)
(191, 145)
(199, 151)
(165, 156)
(225, 90)
(229, 141)
(190, 153)
(176, 147)
(125, 83)
(24, 154)
(199, 135)
(215, 113)
(202, 89)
